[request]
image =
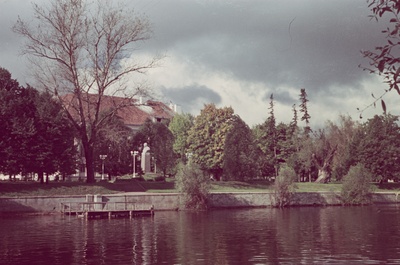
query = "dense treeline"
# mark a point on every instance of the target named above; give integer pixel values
(37, 138)
(35, 135)
(224, 146)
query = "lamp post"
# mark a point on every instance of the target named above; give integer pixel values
(134, 154)
(102, 157)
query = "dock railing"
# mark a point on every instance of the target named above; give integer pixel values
(82, 207)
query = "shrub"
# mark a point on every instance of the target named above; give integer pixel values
(194, 184)
(284, 186)
(356, 188)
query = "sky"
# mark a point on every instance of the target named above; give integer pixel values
(237, 53)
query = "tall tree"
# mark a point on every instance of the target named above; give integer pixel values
(78, 47)
(241, 154)
(293, 123)
(343, 134)
(9, 90)
(379, 147)
(35, 135)
(162, 148)
(294, 142)
(180, 126)
(18, 112)
(53, 144)
(304, 109)
(323, 154)
(207, 138)
(302, 161)
(266, 139)
(286, 145)
(272, 135)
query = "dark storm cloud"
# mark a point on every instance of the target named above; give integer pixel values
(10, 43)
(187, 97)
(262, 47)
(313, 44)
(309, 43)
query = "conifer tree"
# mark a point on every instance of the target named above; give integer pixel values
(303, 108)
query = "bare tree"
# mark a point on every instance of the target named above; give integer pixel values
(83, 49)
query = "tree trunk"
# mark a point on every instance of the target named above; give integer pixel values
(90, 178)
(40, 177)
(323, 175)
(89, 154)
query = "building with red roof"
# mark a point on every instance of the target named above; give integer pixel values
(133, 112)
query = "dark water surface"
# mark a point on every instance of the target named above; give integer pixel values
(309, 235)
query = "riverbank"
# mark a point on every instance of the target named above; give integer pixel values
(171, 201)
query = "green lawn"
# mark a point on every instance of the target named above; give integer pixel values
(22, 188)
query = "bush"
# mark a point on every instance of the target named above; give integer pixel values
(284, 186)
(356, 188)
(194, 184)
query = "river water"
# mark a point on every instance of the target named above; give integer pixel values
(306, 235)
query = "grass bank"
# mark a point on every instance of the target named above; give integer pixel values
(22, 188)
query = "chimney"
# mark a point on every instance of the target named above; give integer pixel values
(140, 100)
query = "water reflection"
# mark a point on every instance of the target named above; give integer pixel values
(334, 235)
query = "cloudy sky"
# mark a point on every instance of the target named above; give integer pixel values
(236, 53)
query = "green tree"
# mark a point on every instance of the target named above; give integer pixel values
(53, 144)
(241, 154)
(294, 142)
(161, 145)
(161, 140)
(343, 135)
(303, 161)
(293, 123)
(304, 109)
(267, 167)
(323, 154)
(379, 147)
(207, 138)
(284, 186)
(18, 112)
(286, 143)
(77, 48)
(36, 136)
(357, 186)
(194, 185)
(6, 82)
(266, 138)
(180, 126)
(115, 142)
(271, 134)
(9, 90)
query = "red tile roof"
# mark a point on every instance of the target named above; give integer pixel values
(129, 110)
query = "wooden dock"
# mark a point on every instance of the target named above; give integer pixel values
(93, 210)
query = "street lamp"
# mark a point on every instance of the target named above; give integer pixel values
(134, 154)
(102, 157)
